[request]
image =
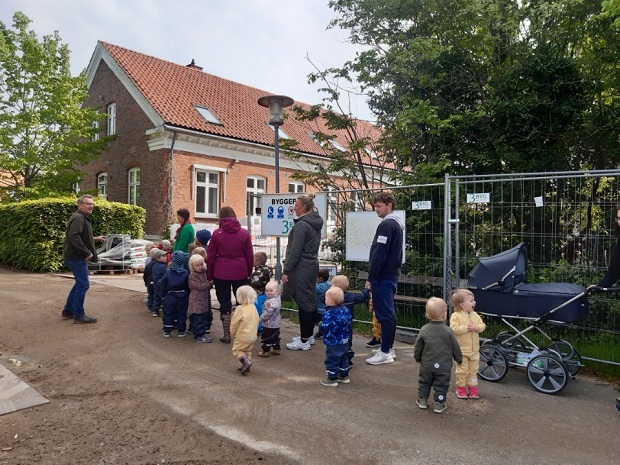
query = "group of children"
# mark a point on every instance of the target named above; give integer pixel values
(179, 285)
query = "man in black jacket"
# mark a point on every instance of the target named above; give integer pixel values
(78, 250)
(386, 256)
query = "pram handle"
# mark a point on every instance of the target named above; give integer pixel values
(594, 288)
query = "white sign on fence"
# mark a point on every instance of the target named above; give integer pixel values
(421, 205)
(360, 231)
(483, 197)
(277, 213)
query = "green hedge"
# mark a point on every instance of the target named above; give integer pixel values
(33, 232)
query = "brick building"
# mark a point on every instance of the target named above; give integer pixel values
(186, 138)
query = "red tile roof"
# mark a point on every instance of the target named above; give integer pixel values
(174, 89)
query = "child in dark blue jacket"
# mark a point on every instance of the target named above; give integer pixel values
(350, 299)
(336, 329)
(157, 273)
(174, 289)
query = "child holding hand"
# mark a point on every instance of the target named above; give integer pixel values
(336, 333)
(467, 325)
(199, 309)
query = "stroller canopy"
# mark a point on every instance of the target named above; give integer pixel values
(505, 270)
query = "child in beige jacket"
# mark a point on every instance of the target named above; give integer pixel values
(244, 326)
(467, 325)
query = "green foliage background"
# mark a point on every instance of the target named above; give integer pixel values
(34, 230)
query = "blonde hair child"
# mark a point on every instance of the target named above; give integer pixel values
(244, 326)
(467, 325)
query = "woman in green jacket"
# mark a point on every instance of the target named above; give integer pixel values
(185, 234)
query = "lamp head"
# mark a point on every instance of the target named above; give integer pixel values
(276, 105)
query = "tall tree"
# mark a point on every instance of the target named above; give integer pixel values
(487, 86)
(45, 134)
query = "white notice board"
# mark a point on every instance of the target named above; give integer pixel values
(277, 213)
(360, 231)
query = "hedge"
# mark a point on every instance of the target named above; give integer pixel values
(33, 231)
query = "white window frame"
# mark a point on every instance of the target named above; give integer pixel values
(252, 201)
(111, 129)
(133, 186)
(102, 184)
(297, 186)
(96, 134)
(332, 205)
(212, 191)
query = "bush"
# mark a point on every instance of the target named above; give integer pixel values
(34, 230)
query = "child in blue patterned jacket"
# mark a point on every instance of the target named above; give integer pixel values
(336, 333)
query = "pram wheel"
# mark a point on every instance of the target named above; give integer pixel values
(569, 355)
(506, 341)
(493, 363)
(547, 373)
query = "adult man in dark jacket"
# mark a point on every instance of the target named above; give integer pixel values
(386, 256)
(78, 250)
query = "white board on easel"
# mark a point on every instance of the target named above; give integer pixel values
(360, 231)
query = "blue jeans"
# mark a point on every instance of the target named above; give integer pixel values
(383, 292)
(75, 301)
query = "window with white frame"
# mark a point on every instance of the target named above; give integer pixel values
(255, 185)
(133, 177)
(295, 187)
(207, 192)
(102, 184)
(111, 119)
(96, 128)
(357, 200)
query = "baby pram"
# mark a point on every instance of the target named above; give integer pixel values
(501, 290)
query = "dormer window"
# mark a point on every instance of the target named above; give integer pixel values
(207, 115)
(337, 146)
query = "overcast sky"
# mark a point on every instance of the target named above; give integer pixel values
(260, 43)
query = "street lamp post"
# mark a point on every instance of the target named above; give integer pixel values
(276, 105)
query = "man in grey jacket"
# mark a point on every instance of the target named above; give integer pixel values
(78, 250)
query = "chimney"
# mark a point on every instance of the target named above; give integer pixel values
(194, 65)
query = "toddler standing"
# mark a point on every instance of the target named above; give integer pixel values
(336, 331)
(175, 292)
(270, 318)
(435, 348)
(243, 327)
(199, 299)
(258, 280)
(467, 325)
(322, 284)
(158, 271)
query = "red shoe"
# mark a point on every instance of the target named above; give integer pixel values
(461, 392)
(473, 392)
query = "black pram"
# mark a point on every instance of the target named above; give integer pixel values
(501, 290)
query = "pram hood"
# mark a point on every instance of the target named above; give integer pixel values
(502, 271)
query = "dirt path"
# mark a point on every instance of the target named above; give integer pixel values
(121, 393)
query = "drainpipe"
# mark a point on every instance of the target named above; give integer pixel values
(171, 177)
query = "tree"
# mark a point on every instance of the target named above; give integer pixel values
(474, 87)
(45, 134)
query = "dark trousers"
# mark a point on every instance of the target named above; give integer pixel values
(150, 296)
(157, 301)
(383, 292)
(337, 361)
(175, 311)
(198, 323)
(350, 353)
(307, 320)
(440, 382)
(270, 337)
(222, 292)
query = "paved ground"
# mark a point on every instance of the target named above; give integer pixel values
(121, 393)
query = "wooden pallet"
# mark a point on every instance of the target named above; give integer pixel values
(111, 270)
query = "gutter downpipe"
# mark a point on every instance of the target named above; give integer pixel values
(171, 177)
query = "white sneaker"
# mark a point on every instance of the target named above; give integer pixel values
(298, 345)
(380, 358)
(310, 339)
(392, 352)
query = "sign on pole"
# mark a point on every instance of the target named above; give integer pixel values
(277, 213)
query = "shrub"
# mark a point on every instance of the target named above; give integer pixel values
(34, 230)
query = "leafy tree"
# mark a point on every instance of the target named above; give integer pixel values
(474, 87)
(45, 135)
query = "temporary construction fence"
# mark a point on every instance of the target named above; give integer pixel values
(566, 219)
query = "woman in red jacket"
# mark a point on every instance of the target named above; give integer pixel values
(230, 260)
